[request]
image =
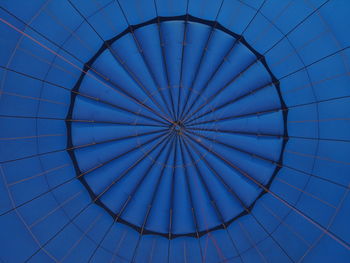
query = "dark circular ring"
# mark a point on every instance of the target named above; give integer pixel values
(130, 29)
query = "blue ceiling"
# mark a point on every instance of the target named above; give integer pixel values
(174, 131)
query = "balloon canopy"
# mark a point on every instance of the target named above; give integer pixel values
(175, 131)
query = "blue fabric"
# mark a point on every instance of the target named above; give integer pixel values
(174, 131)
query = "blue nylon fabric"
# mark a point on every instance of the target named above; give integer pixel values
(174, 131)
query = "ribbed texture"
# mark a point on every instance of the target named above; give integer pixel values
(174, 131)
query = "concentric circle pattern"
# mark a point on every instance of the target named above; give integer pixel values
(174, 131)
(176, 125)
